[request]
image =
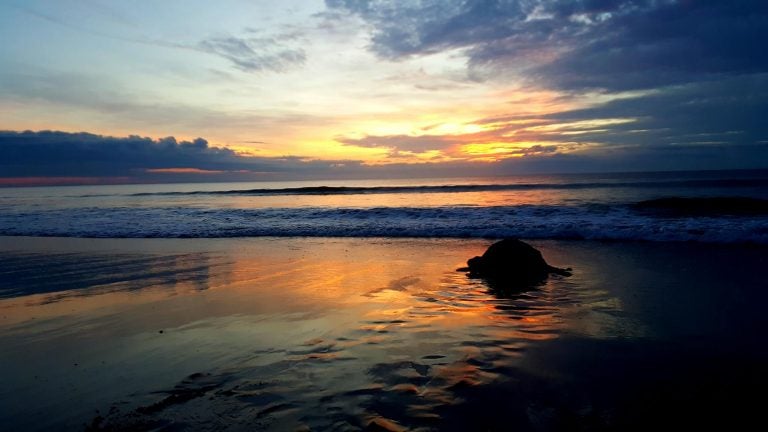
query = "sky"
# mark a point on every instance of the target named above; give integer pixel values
(96, 91)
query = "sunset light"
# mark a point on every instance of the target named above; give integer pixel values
(383, 215)
(337, 82)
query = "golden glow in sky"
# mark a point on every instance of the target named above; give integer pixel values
(319, 89)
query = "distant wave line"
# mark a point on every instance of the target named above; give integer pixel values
(361, 190)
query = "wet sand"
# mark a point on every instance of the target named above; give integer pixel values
(348, 334)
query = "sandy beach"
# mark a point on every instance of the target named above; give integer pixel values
(348, 334)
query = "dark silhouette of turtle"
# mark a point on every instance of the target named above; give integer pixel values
(511, 264)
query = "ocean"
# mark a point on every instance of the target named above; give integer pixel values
(575, 206)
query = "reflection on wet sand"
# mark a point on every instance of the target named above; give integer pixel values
(405, 352)
(41, 286)
(399, 367)
(58, 276)
(340, 334)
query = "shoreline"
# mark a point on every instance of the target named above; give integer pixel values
(6, 240)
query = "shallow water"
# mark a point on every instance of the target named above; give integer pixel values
(345, 334)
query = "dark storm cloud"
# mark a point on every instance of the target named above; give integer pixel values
(614, 45)
(51, 154)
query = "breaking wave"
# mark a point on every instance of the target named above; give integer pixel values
(593, 221)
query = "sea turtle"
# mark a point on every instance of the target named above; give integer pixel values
(513, 263)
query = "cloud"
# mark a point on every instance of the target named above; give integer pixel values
(664, 43)
(47, 157)
(700, 125)
(408, 143)
(78, 155)
(614, 45)
(55, 158)
(685, 80)
(50, 153)
(248, 54)
(410, 27)
(724, 112)
(253, 54)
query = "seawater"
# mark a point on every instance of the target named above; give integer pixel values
(576, 206)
